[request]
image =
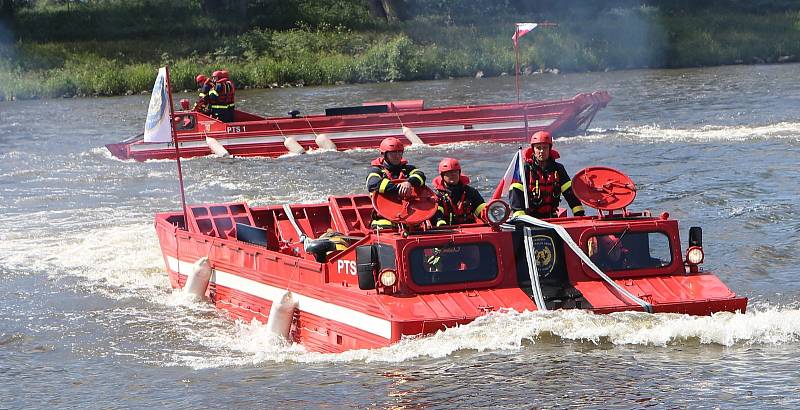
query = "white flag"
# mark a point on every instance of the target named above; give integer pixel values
(157, 128)
(522, 29)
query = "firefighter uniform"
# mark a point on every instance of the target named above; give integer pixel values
(381, 174)
(459, 203)
(546, 182)
(222, 97)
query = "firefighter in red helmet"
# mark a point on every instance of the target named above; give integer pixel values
(459, 203)
(546, 180)
(221, 96)
(204, 84)
(391, 165)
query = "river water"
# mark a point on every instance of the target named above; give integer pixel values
(88, 319)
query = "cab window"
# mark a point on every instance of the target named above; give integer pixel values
(185, 122)
(453, 264)
(629, 250)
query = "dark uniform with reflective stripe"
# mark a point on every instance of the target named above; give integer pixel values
(458, 204)
(221, 99)
(545, 187)
(379, 180)
(203, 100)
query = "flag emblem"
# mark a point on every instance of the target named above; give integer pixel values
(157, 125)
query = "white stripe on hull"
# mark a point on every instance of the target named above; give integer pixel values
(326, 310)
(228, 142)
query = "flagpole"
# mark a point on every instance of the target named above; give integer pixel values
(516, 60)
(177, 151)
(524, 177)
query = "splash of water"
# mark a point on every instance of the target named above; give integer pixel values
(654, 133)
(120, 261)
(251, 344)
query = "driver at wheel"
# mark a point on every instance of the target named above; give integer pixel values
(389, 166)
(607, 252)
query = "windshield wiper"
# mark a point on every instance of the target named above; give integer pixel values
(619, 239)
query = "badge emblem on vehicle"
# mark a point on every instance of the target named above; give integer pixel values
(545, 254)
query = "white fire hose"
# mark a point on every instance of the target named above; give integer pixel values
(578, 251)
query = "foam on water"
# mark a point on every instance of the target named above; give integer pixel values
(119, 261)
(655, 133)
(251, 343)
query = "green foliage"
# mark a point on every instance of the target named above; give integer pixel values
(111, 47)
(390, 61)
(34, 56)
(112, 19)
(286, 14)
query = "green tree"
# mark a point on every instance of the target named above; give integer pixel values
(389, 10)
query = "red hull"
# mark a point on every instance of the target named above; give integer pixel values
(334, 314)
(252, 135)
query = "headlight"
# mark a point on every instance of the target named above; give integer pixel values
(388, 277)
(694, 255)
(497, 212)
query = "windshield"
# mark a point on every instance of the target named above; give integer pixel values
(629, 250)
(453, 264)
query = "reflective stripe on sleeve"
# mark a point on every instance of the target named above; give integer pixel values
(383, 185)
(577, 209)
(517, 185)
(567, 185)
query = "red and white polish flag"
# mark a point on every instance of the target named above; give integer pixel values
(522, 29)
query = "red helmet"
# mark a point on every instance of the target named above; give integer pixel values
(200, 79)
(449, 164)
(217, 74)
(542, 137)
(391, 144)
(223, 74)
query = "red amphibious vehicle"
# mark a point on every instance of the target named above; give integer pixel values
(318, 276)
(365, 126)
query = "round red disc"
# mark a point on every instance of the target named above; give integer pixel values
(412, 210)
(603, 188)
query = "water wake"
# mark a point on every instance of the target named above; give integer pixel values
(654, 133)
(251, 344)
(117, 261)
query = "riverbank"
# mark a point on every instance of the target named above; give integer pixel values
(354, 47)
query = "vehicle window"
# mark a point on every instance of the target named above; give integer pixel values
(185, 122)
(453, 264)
(629, 250)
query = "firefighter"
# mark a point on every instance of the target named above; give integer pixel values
(459, 203)
(607, 253)
(391, 165)
(227, 97)
(546, 181)
(221, 96)
(204, 85)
